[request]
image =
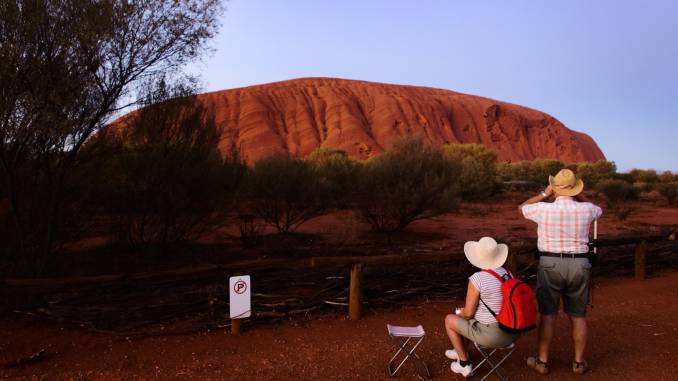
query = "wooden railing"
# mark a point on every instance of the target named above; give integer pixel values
(357, 264)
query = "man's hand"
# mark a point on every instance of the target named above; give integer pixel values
(548, 191)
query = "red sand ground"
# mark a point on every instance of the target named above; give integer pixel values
(634, 331)
(634, 336)
(498, 217)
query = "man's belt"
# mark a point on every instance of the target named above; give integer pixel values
(563, 255)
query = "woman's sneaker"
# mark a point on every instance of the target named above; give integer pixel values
(452, 354)
(463, 370)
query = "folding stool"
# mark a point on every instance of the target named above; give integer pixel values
(406, 340)
(487, 353)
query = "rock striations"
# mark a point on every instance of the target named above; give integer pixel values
(365, 118)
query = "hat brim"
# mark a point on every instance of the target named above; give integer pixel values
(578, 188)
(486, 263)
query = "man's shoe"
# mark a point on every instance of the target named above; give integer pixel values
(452, 354)
(465, 371)
(540, 367)
(580, 367)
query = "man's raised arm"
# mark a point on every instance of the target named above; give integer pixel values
(546, 193)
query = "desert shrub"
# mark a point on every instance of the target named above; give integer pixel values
(166, 181)
(515, 171)
(624, 177)
(669, 191)
(645, 176)
(616, 191)
(619, 195)
(284, 192)
(534, 171)
(642, 187)
(653, 197)
(250, 228)
(542, 169)
(337, 173)
(668, 177)
(479, 168)
(521, 186)
(408, 183)
(593, 173)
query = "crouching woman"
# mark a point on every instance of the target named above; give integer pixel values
(475, 322)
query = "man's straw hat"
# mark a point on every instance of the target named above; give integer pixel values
(565, 183)
(486, 253)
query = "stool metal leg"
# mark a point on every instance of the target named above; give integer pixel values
(401, 345)
(496, 368)
(495, 365)
(409, 354)
(422, 368)
(485, 356)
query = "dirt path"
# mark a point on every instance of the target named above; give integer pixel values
(634, 336)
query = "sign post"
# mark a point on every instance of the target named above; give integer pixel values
(240, 301)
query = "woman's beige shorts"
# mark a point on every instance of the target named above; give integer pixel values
(487, 335)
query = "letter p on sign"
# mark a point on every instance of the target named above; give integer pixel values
(240, 302)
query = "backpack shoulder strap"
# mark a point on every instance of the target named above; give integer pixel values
(488, 308)
(500, 278)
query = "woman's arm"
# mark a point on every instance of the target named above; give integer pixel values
(472, 299)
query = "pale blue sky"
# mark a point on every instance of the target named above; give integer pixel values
(606, 68)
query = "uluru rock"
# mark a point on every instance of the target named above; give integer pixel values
(365, 118)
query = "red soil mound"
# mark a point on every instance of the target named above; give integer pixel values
(364, 118)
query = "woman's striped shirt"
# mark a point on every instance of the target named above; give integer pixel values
(490, 292)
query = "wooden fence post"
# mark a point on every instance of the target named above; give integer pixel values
(235, 326)
(641, 250)
(355, 293)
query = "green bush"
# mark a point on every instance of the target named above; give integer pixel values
(593, 173)
(479, 168)
(515, 171)
(618, 194)
(669, 191)
(642, 187)
(337, 173)
(647, 176)
(535, 171)
(164, 179)
(284, 192)
(542, 169)
(624, 177)
(408, 183)
(616, 191)
(668, 177)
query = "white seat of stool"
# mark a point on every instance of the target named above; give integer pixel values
(399, 331)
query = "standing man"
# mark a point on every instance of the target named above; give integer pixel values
(564, 267)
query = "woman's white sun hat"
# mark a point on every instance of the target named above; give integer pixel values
(486, 253)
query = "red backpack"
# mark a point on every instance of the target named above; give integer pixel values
(518, 309)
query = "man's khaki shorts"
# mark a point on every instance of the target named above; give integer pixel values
(566, 278)
(487, 335)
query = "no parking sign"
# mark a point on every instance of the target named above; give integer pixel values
(240, 297)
